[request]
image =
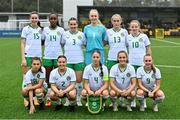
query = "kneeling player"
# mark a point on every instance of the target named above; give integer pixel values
(95, 78)
(149, 83)
(34, 84)
(122, 81)
(62, 80)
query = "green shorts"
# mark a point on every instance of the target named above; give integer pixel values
(28, 61)
(50, 62)
(77, 67)
(136, 67)
(110, 63)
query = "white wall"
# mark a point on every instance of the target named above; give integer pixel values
(70, 9)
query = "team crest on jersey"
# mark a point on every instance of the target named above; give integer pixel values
(122, 34)
(68, 78)
(38, 75)
(128, 74)
(58, 33)
(99, 31)
(153, 76)
(140, 40)
(40, 31)
(79, 37)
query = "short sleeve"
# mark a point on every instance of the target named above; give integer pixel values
(138, 73)
(63, 38)
(27, 79)
(43, 74)
(158, 74)
(24, 33)
(104, 35)
(85, 73)
(51, 78)
(146, 40)
(73, 76)
(112, 73)
(133, 73)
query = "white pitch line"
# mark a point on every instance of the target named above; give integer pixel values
(168, 66)
(165, 46)
(166, 41)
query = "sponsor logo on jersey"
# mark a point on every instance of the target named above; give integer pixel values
(128, 74)
(68, 78)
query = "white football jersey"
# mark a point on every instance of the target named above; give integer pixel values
(122, 79)
(73, 43)
(52, 39)
(148, 78)
(94, 78)
(62, 81)
(32, 38)
(34, 79)
(117, 42)
(137, 48)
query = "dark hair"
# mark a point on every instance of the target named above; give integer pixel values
(101, 68)
(38, 23)
(53, 13)
(124, 53)
(34, 12)
(62, 56)
(72, 18)
(152, 65)
(37, 58)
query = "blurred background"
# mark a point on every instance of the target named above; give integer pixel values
(152, 14)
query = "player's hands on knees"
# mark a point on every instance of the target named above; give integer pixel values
(32, 109)
(150, 94)
(90, 92)
(97, 93)
(127, 92)
(61, 93)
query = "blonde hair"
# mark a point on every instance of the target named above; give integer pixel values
(116, 15)
(95, 10)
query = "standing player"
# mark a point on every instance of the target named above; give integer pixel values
(73, 41)
(95, 78)
(122, 81)
(116, 38)
(52, 36)
(138, 46)
(34, 84)
(63, 80)
(95, 34)
(30, 43)
(149, 79)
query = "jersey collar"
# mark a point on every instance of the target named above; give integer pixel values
(122, 70)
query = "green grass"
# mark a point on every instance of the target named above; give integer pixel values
(11, 102)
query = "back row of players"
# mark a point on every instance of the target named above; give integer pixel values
(95, 74)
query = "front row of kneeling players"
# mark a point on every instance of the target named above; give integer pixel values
(96, 82)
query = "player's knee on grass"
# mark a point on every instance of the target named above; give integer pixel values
(72, 94)
(112, 93)
(159, 93)
(105, 94)
(83, 94)
(140, 92)
(133, 93)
